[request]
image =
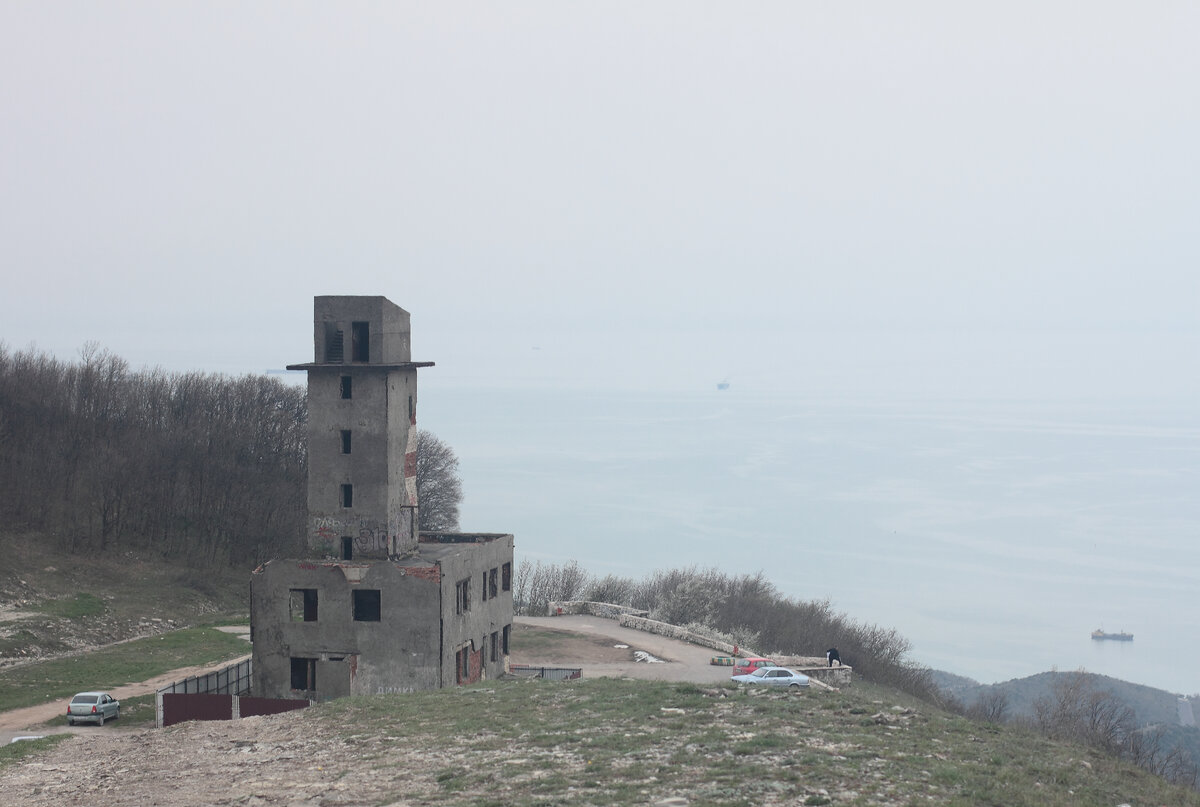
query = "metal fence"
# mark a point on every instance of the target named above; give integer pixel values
(231, 680)
(552, 673)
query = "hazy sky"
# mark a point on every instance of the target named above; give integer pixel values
(882, 198)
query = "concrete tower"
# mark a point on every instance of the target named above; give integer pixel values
(375, 606)
(362, 432)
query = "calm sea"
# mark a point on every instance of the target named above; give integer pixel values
(994, 536)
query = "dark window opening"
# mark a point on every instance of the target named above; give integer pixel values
(495, 646)
(304, 674)
(504, 638)
(347, 495)
(492, 584)
(462, 596)
(506, 577)
(347, 548)
(366, 605)
(483, 586)
(345, 441)
(303, 604)
(360, 341)
(347, 387)
(334, 345)
(412, 411)
(462, 661)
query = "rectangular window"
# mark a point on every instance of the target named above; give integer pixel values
(506, 577)
(462, 595)
(483, 587)
(366, 605)
(495, 646)
(347, 387)
(360, 339)
(505, 637)
(347, 495)
(345, 441)
(492, 583)
(347, 548)
(303, 604)
(304, 674)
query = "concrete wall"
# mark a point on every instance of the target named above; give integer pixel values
(398, 653)
(472, 630)
(380, 417)
(374, 467)
(388, 325)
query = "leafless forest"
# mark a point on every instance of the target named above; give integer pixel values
(189, 465)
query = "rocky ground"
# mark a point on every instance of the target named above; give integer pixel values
(275, 759)
(678, 739)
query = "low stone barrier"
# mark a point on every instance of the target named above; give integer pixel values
(834, 676)
(607, 610)
(673, 632)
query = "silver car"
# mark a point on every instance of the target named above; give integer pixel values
(92, 707)
(773, 677)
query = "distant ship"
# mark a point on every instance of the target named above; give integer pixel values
(1116, 637)
(723, 385)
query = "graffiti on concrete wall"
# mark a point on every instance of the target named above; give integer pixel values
(394, 690)
(327, 532)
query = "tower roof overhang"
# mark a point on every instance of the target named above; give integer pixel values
(312, 365)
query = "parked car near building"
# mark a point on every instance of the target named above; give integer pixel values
(774, 677)
(745, 666)
(92, 707)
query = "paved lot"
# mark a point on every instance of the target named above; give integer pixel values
(681, 661)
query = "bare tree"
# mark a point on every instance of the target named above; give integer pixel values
(991, 707)
(439, 488)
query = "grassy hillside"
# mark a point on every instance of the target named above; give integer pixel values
(53, 603)
(1150, 705)
(600, 742)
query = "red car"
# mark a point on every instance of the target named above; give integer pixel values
(745, 666)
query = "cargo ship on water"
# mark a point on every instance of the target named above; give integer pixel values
(1100, 635)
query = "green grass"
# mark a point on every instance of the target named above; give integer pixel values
(116, 665)
(15, 752)
(608, 741)
(77, 607)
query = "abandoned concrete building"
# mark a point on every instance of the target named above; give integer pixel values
(376, 605)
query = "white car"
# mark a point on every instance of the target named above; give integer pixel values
(773, 677)
(92, 707)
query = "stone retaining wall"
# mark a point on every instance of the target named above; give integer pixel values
(607, 610)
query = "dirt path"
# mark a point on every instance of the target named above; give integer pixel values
(20, 722)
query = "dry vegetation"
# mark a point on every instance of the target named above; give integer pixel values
(601, 742)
